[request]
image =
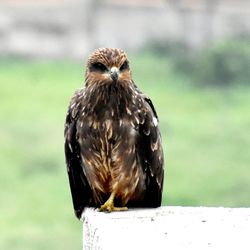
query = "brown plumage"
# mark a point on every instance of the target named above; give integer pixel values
(112, 140)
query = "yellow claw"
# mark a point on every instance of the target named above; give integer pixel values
(109, 207)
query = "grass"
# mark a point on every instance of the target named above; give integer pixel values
(205, 134)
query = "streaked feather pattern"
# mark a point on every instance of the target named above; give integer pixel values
(112, 138)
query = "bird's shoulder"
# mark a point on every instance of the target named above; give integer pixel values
(75, 103)
(147, 103)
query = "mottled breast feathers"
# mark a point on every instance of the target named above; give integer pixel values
(112, 138)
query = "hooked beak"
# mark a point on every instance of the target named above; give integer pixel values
(114, 74)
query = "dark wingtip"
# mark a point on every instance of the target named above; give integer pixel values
(78, 213)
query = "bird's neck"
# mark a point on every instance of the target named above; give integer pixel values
(112, 98)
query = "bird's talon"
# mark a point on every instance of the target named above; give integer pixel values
(111, 208)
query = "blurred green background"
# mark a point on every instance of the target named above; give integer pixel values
(191, 57)
(205, 130)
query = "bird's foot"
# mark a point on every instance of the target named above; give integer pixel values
(109, 207)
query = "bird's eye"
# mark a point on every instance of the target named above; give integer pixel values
(98, 67)
(124, 66)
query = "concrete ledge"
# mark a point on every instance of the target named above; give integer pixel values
(168, 228)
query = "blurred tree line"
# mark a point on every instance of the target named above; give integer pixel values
(225, 63)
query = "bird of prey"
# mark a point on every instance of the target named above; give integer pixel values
(113, 145)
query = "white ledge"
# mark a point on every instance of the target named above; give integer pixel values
(168, 228)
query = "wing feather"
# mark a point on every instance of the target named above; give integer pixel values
(80, 189)
(151, 156)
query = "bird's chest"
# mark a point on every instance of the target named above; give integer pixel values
(108, 129)
(111, 120)
(106, 132)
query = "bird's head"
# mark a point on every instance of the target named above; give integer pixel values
(108, 66)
